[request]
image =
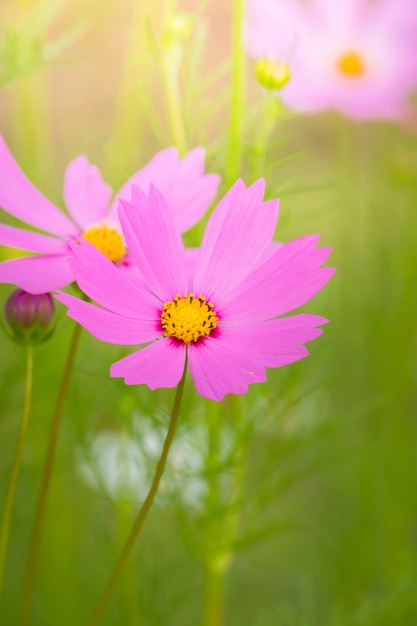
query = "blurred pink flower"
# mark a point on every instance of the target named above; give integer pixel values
(87, 197)
(224, 319)
(356, 56)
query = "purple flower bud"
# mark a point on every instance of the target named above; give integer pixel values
(29, 316)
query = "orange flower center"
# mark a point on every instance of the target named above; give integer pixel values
(351, 65)
(106, 239)
(188, 318)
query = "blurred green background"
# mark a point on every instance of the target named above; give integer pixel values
(295, 505)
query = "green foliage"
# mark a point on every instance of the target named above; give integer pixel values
(24, 47)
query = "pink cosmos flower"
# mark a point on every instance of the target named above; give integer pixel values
(223, 319)
(87, 197)
(355, 56)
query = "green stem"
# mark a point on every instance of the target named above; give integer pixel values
(223, 529)
(46, 479)
(237, 100)
(213, 579)
(129, 582)
(17, 460)
(126, 122)
(145, 508)
(265, 126)
(239, 476)
(170, 66)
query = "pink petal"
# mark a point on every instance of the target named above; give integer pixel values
(237, 234)
(107, 284)
(37, 274)
(190, 192)
(273, 343)
(108, 326)
(284, 282)
(155, 243)
(270, 251)
(161, 364)
(187, 190)
(237, 355)
(191, 260)
(192, 255)
(218, 368)
(28, 240)
(86, 195)
(339, 16)
(271, 29)
(19, 197)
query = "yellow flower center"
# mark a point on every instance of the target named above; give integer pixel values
(272, 74)
(351, 64)
(188, 318)
(106, 239)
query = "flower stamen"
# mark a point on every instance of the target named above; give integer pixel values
(108, 240)
(351, 64)
(188, 318)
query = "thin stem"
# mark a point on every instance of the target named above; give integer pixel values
(129, 582)
(223, 528)
(17, 460)
(126, 121)
(46, 479)
(265, 126)
(213, 579)
(171, 59)
(145, 508)
(239, 476)
(173, 100)
(237, 100)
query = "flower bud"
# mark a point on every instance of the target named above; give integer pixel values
(29, 316)
(272, 74)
